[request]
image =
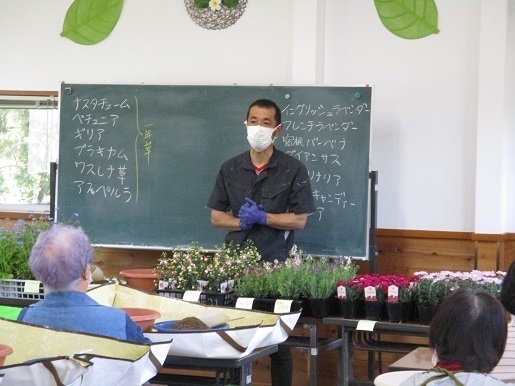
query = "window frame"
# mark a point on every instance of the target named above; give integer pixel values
(26, 211)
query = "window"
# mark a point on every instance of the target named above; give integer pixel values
(28, 143)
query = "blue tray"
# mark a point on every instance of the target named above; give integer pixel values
(168, 327)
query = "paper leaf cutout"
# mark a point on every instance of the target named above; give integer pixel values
(202, 3)
(230, 3)
(408, 19)
(91, 21)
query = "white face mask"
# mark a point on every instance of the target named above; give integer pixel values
(260, 137)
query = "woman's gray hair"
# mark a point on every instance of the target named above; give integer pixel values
(59, 257)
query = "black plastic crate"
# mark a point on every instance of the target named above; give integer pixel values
(207, 298)
(15, 288)
(268, 305)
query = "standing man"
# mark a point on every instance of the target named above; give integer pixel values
(263, 195)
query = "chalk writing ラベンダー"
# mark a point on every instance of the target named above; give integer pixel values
(303, 142)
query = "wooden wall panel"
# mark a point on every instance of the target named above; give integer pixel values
(507, 254)
(409, 252)
(113, 260)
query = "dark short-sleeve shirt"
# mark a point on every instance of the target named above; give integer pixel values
(283, 187)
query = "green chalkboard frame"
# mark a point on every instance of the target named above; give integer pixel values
(137, 162)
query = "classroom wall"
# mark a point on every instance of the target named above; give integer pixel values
(424, 122)
(432, 95)
(510, 119)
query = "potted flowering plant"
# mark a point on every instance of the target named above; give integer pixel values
(375, 296)
(180, 269)
(300, 276)
(229, 263)
(487, 281)
(256, 284)
(350, 289)
(269, 281)
(323, 273)
(399, 299)
(200, 270)
(321, 276)
(317, 276)
(431, 292)
(431, 288)
(285, 280)
(350, 297)
(378, 292)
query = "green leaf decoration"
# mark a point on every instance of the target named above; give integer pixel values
(91, 21)
(408, 19)
(202, 3)
(230, 3)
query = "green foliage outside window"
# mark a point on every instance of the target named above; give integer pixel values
(25, 144)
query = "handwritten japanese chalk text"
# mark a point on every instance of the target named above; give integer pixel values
(306, 138)
(104, 169)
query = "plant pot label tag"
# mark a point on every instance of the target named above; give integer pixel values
(341, 292)
(282, 306)
(227, 286)
(201, 285)
(370, 293)
(393, 294)
(366, 325)
(245, 303)
(163, 285)
(191, 296)
(31, 286)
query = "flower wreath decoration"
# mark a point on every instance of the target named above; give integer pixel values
(215, 14)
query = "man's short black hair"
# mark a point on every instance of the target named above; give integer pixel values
(267, 104)
(469, 328)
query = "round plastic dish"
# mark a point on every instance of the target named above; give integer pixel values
(143, 317)
(168, 327)
(140, 278)
(4, 351)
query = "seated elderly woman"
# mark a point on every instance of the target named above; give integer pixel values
(61, 259)
(468, 336)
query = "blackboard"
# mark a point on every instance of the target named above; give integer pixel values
(137, 162)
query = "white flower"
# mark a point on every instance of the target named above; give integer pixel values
(215, 5)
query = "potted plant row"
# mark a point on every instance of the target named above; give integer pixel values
(376, 297)
(306, 280)
(211, 273)
(432, 288)
(398, 298)
(16, 242)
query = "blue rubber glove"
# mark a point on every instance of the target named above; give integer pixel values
(251, 213)
(244, 208)
(244, 224)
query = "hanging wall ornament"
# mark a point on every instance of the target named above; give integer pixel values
(215, 14)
